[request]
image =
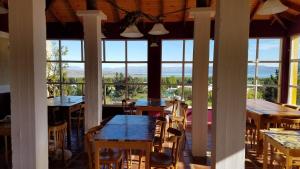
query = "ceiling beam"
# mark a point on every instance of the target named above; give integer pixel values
(73, 11)
(116, 12)
(91, 4)
(54, 14)
(161, 9)
(185, 5)
(290, 17)
(280, 21)
(253, 12)
(291, 5)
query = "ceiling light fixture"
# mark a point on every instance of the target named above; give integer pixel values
(158, 29)
(132, 31)
(272, 7)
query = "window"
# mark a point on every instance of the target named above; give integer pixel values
(294, 83)
(264, 63)
(65, 67)
(177, 62)
(124, 70)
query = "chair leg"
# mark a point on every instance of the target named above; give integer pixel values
(140, 159)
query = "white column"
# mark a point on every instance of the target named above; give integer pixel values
(202, 20)
(93, 69)
(229, 83)
(27, 29)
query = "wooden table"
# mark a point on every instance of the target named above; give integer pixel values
(66, 105)
(127, 132)
(149, 105)
(5, 130)
(262, 112)
(286, 141)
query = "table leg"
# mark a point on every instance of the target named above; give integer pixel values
(288, 164)
(147, 156)
(265, 155)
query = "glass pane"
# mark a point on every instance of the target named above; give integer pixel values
(252, 49)
(137, 50)
(73, 72)
(187, 92)
(251, 73)
(115, 50)
(189, 47)
(171, 73)
(211, 50)
(172, 50)
(52, 72)
(72, 89)
(250, 92)
(269, 49)
(53, 90)
(294, 73)
(169, 92)
(71, 50)
(209, 99)
(188, 71)
(137, 91)
(210, 73)
(268, 73)
(113, 72)
(137, 73)
(114, 93)
(267, 93)
(52, 49)
(102, 51)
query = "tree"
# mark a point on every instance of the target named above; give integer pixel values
(270, 93)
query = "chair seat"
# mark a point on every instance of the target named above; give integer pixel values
(110, 155)
(160, 160)
(176, 118)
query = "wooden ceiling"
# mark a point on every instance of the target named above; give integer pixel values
(63, 11)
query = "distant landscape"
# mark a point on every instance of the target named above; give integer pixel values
(72, 71)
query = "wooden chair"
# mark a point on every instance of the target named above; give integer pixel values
(251, 132)
(174, 103)
(290, 123)
(168, 159)
(128, 108)
(108, 157)
(180, 120)
(77, 116)
(54, 116)
(160, 134)
(56, 135)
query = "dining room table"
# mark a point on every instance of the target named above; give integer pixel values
(66, 105)
(286, 142)
(263, 113)
(154, 105)
(126, 132)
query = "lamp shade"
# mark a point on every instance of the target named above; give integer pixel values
(132, 32)
(3, 10)
(158, 29)
(271, 7)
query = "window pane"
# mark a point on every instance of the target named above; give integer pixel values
(73, 72)
(268, 73)
(52, 72)
(53, 90)
(71, 50)
(137, 73)
(171, 73)
(172, 50)
(250, 92)
(72, 90)
(189, 46)
(169, 92)
(52, 49)
(115, 50)
(137, 50)
(294, 95)
(113, 72)
(137, 91)
(188, 70)
(267, 93)
(114, 93)
(294, 73)
(187, 92)
(210, 73)
(269, 49)
(252, 50)
(251, 74)
(211, 50)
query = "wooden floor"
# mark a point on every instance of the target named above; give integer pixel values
(79, 159)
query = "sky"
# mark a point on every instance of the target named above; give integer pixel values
(172, 50)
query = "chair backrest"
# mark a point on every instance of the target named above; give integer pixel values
(58, 133)
(89, 143)
(183, 113)
(162, 122)
(54, 116)
(176, 140)
(288, 123)
(175, 105)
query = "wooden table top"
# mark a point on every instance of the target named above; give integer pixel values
(149, 103)
(65, 101)
(267, 108)
(289, 139)
(128, 128)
